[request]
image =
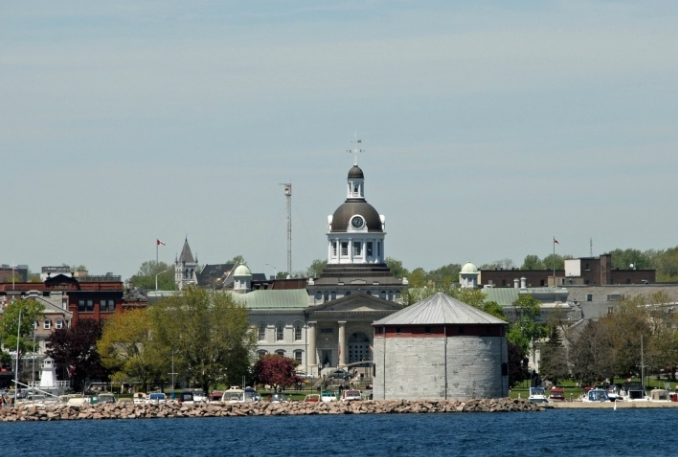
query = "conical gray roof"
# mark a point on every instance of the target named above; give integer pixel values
(439, 309)
(186, 254)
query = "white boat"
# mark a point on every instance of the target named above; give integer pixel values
(537, 395)
(659, 396)
(595, 396)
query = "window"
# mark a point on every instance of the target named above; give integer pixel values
(357, 248)
(47, 324)
(369, 249)
(59, 324)
(344, 248)
(35, 325)
(81, 305)
(589, 297)
(334, 249)
(298, 356)
(297, 331)
(610, 309)
(103, 307)
(111, 305)
(280, 352)
(261, 353)
(90, 305)
(587, 267)
(427, 329)
(262, 331)
(279, 331)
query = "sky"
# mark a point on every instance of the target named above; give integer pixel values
(488, 128)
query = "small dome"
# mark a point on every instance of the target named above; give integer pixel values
(242, 270)
(469, 268)
(355, 172)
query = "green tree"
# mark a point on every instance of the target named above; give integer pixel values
(145, 277)
(554, 261)
(417, 278)
(238, 260)
(666, 263)
(445, 276)
(532, 262)
(554, 357)
(128, 351)
(316, 268)
(630, 259)
(396, 267)
(208, 331)
(524, 331)
(17, 322)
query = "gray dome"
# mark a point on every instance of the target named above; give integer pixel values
(355, 172)
(343, 215)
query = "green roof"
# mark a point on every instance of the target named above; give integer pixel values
(504, 296)
(273, 299)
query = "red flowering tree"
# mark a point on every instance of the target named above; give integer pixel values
(275, 370)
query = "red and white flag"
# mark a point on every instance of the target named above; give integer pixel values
(159, 243)
(555, 241)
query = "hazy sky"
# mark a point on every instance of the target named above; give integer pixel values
(488, 129)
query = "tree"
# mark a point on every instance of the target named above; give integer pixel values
(444, 277)
(396, 267)
(18, 319)
(275, 370)
(554, 261)
(590, 354)
(316, 268)
(417, 278)
(145, 277)
(517, 364)
(553, 357)
(532, 262)
(238, 260)
(209, 333)
(666, 262)
(74, 351)
(128, 351)
(525, 330)
(630, 259)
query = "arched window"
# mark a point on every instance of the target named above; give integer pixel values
(262, 331)
(261, 353)
(279, 331)
(280, 352)
(383, 294)
(297, 331)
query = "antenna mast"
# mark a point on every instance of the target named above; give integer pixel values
(288, 197)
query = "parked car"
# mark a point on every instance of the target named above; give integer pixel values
(351, 395)
(340, 374)
(303, 374)
(327, 396)
(139, 398)
(106, 398)
(312, 398)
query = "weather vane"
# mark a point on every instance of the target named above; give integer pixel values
(356, 149)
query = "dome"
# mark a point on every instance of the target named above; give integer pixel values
(242, 270)
(469, 268)
(355, 172)
(345, 213)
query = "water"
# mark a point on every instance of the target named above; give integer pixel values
(571, 433)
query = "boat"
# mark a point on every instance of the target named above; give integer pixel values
(634, 391)
(537, 395)
(595, 396)
(237, 395)
(660, 395)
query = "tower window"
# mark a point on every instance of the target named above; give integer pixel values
(344, 248)
(369, 249)
(357, 248)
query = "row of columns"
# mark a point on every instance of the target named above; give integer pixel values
(312, 360)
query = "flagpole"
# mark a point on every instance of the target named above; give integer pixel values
(554, 261)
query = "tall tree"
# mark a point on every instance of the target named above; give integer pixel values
(630, 259)
(316, 268)
(145, 277)
(208, 331)
(17, 321)
(396, 267)
(75, 353)
(128, 351)
(554, 261)
(553, 364)
(532, 262)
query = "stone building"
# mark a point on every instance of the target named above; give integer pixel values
(440, 348)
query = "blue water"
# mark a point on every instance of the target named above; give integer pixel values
(570, 433)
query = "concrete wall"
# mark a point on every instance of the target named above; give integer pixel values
(416, 368)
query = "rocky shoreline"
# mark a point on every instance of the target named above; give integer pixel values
(22, 413)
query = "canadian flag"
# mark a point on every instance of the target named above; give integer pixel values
(555, 241)
(159, 243)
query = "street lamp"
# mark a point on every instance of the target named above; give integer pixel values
(16, 371)
(172, 373)
(275, 271)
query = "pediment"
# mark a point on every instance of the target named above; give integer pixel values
(357, 303)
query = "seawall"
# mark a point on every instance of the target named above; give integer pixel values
(22, 413)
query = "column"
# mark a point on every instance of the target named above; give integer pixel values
(342, 343)
(310, 356)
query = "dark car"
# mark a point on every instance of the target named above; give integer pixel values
(340, 374)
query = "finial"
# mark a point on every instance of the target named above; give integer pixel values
(357, 142)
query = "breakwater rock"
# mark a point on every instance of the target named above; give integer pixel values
(176, 410)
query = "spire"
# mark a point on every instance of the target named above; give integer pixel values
(356, 149)
(186, 254)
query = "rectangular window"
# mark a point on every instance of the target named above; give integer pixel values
(610, 309)
(297, 356)
(357, 248)
(90, 305)
(35, 325)
(344, 248)
(59, 324)
(81, 305)
(369, 249)
(111, 305)
(102, 306)
(589, 297)
(334, 249)
(48, 324)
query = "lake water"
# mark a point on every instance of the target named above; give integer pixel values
(570, 433)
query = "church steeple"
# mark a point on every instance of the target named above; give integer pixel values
(185, 267)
